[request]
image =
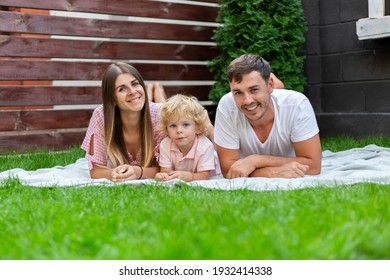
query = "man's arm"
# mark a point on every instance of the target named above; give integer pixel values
(307, 161)
(227, 157)
(310, 153)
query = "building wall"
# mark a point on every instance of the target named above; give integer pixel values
(348, 79)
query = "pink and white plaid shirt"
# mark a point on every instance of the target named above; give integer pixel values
(96, 128)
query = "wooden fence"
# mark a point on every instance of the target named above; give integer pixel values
(53, 55)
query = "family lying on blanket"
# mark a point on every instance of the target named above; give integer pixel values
(261, 129)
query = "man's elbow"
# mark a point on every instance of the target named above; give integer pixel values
(225, 170)
(224, 173)
(314, 170)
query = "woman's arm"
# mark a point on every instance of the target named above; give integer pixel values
(123, 172)
(99, 171)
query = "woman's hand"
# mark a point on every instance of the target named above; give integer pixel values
(125, 172)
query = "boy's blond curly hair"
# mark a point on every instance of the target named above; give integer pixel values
(181, 105)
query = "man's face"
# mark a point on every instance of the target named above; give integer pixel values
(252, 95)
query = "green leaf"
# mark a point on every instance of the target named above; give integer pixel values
(274, 29)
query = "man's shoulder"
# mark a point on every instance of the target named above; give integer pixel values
(287, 92)
(227, 97)
(227, 102)
(283, 96)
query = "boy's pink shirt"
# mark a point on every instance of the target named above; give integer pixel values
(201, 157)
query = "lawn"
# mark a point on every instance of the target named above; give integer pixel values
(155, 222)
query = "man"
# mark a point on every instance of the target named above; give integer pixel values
(261, 131)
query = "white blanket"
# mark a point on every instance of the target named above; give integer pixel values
(368, 164)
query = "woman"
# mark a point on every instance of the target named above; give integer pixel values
(122, 140)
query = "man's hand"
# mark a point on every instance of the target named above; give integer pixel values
(244, 168)
(241, 168)
(289, 170)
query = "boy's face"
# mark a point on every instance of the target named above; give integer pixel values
(182, 132)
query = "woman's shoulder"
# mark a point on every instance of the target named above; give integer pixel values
(155, 106)
(155, 109)
(98, 111)
(97, 115)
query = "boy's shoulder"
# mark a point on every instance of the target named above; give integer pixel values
(204, 142)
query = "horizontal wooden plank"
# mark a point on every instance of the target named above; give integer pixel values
(200, 92)
(57, 95)
(16, 22)
(43, 119)
(48, 95)
(15, 69)
(8, 120)
(14, 46)
(151, 9)
(37, 140)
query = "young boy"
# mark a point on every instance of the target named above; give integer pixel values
(186, 153)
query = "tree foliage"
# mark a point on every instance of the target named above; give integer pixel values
(273, 29)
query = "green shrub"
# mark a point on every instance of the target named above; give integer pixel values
(273, 29)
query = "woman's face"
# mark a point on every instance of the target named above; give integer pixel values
(129, 93)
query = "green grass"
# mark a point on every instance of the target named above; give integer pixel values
(336, 144)
(154, 222)
(39, 159)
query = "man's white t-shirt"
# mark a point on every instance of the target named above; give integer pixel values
(294, 121)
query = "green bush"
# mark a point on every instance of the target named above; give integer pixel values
(273, 29)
